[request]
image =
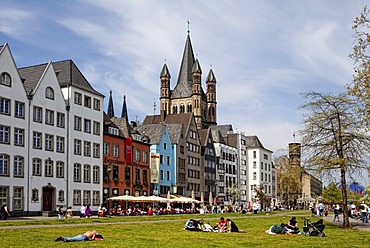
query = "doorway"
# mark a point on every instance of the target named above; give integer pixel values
(47, 199)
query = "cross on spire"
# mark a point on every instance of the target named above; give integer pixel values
(188, 27)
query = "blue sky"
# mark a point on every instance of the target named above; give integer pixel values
(263, 53)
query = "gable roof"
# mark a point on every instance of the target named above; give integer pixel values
(175, 130)
(253, 142)
(31, 76)
(153, 131)
(68, 73)
(123, 126)
(223, 129)
(203, 134)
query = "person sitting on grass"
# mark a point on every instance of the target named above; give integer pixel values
(87, 236)
(293, 225)
(231, 226)
(192, 225)
(221, 225)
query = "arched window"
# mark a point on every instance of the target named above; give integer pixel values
(5, 79)
(189, 107)
(182, 109)
(174, 109)
(49, 93)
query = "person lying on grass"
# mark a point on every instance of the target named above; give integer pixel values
(87, 236)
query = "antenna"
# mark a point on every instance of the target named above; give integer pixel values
(154, 107)
(294, 136)
(188, 27)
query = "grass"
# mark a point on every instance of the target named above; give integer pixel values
(167, 231)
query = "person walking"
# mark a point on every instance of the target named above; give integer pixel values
(336, 213)
(4, 212)
(364, 209)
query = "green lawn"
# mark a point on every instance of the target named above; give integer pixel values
(167, 231)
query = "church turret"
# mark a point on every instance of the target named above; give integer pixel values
(110, 111)
(211, 99)
(124, 110)
(196, 105)
(165, 90)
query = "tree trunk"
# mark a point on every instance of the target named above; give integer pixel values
(346, 223)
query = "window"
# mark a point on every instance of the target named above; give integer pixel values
(106, 149)
(165, 146)
(60, 120)
(4, 134)
(77, 172)
(137, 155)
(36, 167)
(60, 144)
(168, 176)
(137, 175)
(18, 198)
(96, 150)
(254, 175)
(96, 198)
(265, 156)
(161, 159)
(77, 123)
(19, 110)
(145, 176)
(96, 128)
(87, 102)
(4, 106)
(115, 150)
(49, 93)
(161, 174)
(96, 174)
(18, 166)
(96, 104)
(87, 148)
(60, 196)
(87, 198)
(254, 154)
(35, 195)
(49, 142)
(76, 197)
(87, 126)
(78, 98)
(37, 140)
(168, 160)
(60, 169)
(254, 165)
(4, 194)
(4, 165)
(37, 114)
(18, 137)
(145, 157)
(5, 79)
(127, 173)
(87, 173)
(77, 147)
(49, 164)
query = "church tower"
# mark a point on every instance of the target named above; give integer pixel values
(188, 95)
(211, 99)
(165, 90)
(196, 95)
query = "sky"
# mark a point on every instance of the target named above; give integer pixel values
(264, 53)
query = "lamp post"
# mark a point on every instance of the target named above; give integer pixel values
(108, 183)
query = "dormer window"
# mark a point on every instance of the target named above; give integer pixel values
(49, 93)
(5, 79)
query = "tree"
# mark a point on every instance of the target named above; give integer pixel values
(332, 194)
(289, 179)
(260, 194)
(361, 56)
(332, 138)
(366, 197)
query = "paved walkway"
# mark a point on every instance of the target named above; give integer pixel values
(355, 223)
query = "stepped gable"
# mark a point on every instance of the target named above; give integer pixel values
(152, 131)
(124, 127)
(31, 76)
(69, 74)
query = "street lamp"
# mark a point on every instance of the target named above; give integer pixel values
(108, 183)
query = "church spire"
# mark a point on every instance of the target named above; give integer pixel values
(110, 111)
(124, 109)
